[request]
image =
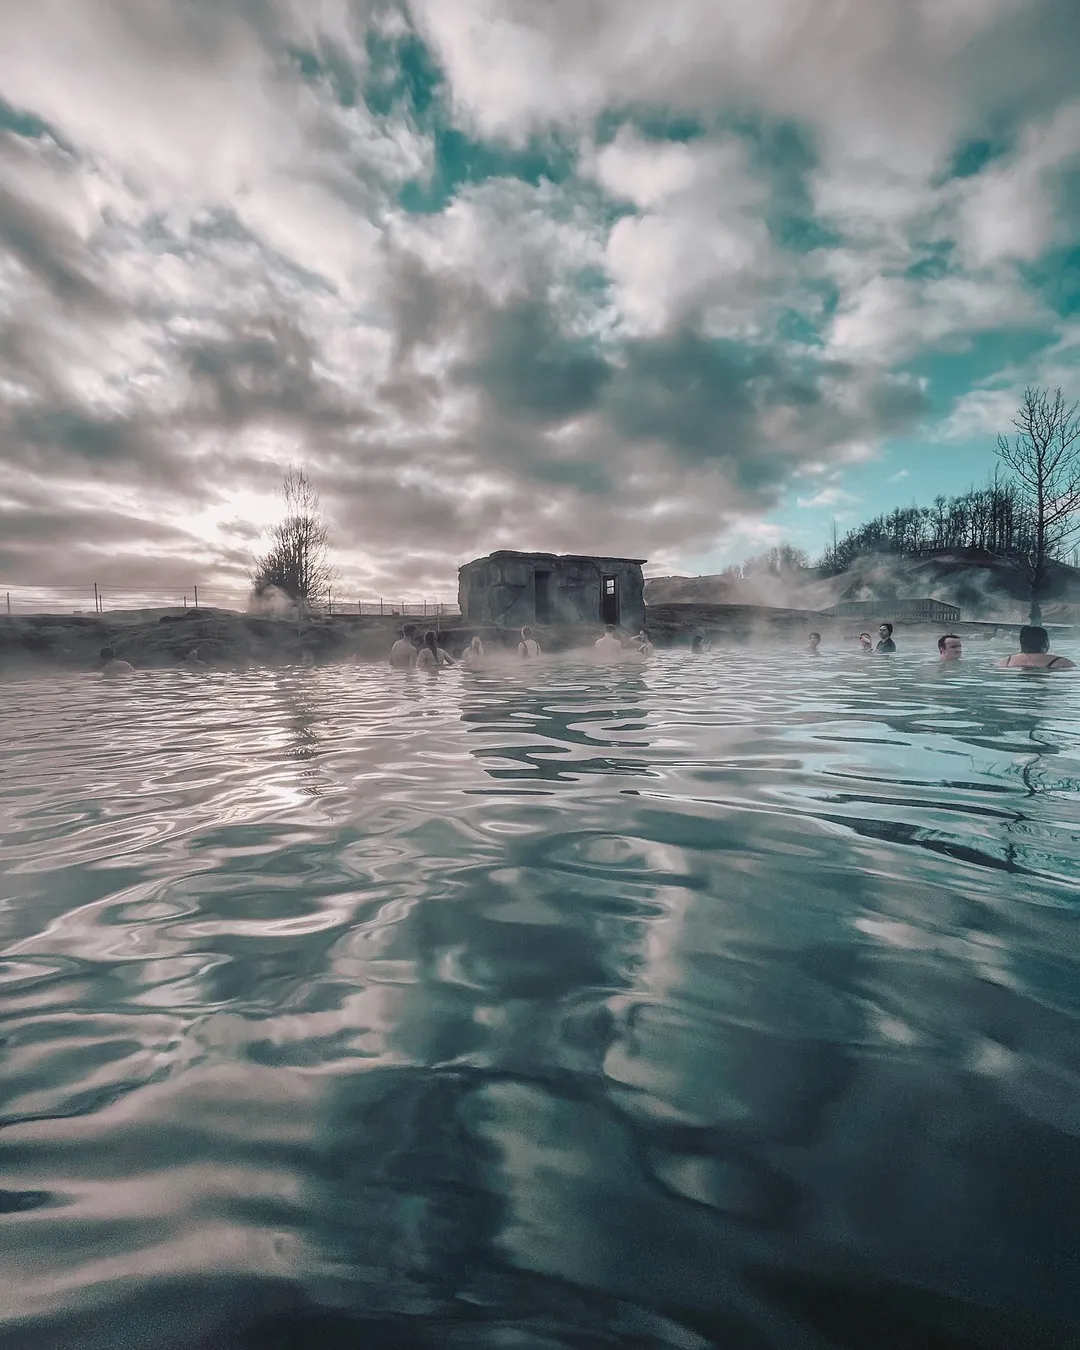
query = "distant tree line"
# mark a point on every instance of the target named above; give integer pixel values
(1028, 516)
(993, 519)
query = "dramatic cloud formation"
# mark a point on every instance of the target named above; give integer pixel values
(611, 275)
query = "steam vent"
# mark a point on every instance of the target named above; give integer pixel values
(508, 589)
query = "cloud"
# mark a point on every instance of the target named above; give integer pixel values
(575, 276)
(899, 476)
(830, 496)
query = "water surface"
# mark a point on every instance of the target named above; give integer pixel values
(723, 1001)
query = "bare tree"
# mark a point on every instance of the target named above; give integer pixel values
(1045, 457)
(297, 560)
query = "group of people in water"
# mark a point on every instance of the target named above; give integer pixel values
(1034, 653)
(415, 652)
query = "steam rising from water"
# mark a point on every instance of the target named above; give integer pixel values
(273, 603)
(985, 587)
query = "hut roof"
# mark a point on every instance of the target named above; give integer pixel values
(557, 557)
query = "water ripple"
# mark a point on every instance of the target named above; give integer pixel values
(547, 1006)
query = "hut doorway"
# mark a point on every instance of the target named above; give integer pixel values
(542, 608)
(609, 600)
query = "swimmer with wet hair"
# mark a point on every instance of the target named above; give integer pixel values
(528, 646)
(697, 647)
(431, 656)
(813, 644)
(194, 662)
(114, 669)
(644, 643)
(403, 652)
(950, 647)
(1034, 653)
(885, 642)
(866, 642)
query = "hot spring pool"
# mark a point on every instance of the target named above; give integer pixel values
(724, 1001)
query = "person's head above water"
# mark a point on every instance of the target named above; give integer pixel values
(1034, 639)
(885, 630)
(431, 641)
(814, 639)
(866, 639)
(526, 632)
(609, 629)
(409, 631)
(107, 654)
(695, 646)
(950, 647)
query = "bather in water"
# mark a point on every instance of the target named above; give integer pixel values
(1034, 653)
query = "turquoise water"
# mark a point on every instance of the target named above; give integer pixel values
(730, 1001)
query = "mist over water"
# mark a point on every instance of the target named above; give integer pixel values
(729, 1000)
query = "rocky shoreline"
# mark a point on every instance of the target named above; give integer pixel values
(224, 639)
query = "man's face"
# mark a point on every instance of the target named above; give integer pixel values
(883, 630)
(952, 649)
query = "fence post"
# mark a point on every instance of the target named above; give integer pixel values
(97, 600)
(381, 611)
(196, 597)
(329, 602)
(9, 602)
(185, 602)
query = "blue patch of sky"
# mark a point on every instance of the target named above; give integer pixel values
(803, 323)
(404, 79)
(460, 161)
(651, 122)
(402, 74)
(970, 157)
(983, 355)
(784, 151)
(1056, 279)
(21, 122)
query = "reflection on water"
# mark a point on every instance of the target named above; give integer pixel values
(724, 1002)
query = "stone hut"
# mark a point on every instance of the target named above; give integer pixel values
(508, 589)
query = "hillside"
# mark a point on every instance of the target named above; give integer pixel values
(982, 584)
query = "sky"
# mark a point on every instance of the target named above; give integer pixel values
(670, 279)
